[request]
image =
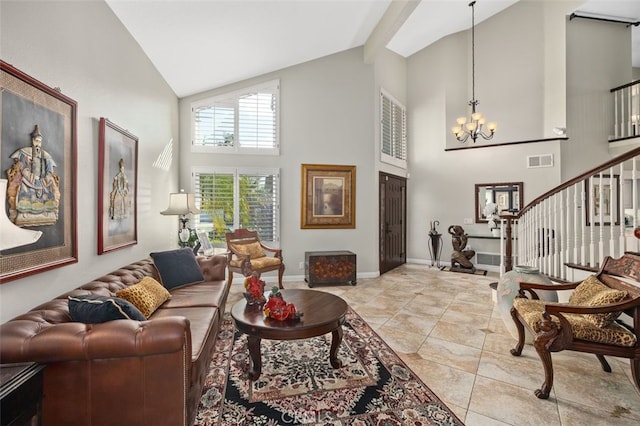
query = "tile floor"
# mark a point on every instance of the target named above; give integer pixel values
(445, 327)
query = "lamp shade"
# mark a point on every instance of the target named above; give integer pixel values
(181, 203)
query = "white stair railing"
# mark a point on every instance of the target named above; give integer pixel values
(581, 221)
(626, 106)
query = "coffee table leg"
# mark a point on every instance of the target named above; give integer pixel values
(256, 358)
(335, 344)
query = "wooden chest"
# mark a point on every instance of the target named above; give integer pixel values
(329, 267)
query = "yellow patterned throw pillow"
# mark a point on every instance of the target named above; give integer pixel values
(591, 292)
(147, 295)
(254, 250)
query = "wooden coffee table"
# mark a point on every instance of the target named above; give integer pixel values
(323, 313)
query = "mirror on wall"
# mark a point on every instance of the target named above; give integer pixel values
(508, 196)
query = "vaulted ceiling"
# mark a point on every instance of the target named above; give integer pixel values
(198, 45)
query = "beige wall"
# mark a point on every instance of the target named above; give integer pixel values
(598, 59)
(83, 48)
(329, 116)
(510, 90)
(326, 117)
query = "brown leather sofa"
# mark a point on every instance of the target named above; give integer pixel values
(123, 372)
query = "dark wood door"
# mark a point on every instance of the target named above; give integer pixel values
(393, 218)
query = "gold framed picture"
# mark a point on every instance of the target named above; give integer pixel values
(328, 197)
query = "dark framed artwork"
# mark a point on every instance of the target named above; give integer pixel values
(38, 155)
(118, 184)
(604, 195)
(328, 197)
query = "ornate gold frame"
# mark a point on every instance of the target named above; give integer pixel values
(328, 197)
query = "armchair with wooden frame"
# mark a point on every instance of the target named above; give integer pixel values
(246, 254)
(589, 322)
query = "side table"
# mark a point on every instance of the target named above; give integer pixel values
(21, 394)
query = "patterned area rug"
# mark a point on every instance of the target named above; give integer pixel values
(298, 385)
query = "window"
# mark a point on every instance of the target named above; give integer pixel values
(232, 198)
(393, 131)
(245, 121)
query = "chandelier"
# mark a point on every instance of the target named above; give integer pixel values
(473, 128)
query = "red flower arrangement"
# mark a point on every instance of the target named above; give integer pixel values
(255, 290)
(278, 309)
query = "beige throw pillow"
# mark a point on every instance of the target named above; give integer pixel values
(254, 250)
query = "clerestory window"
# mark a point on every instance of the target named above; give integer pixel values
(393, 131)
(244, 121)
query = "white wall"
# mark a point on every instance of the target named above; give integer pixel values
(598, 59)
(83, 48)
(326, 117)
(510, 89)
(329, 116)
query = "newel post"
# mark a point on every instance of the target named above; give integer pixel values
(508, 243)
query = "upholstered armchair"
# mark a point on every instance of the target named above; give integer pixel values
(246, 254)
(589, 322)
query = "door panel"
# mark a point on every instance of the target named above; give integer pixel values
(392, 228)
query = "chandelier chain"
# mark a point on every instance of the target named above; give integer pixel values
(473, 128)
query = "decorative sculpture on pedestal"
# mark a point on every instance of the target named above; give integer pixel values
(461, 254)
(435, 248)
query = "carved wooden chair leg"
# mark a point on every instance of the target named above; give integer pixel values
(605, 365)
(280, 274)
(545, 357)
(517, 350)
(635, 372)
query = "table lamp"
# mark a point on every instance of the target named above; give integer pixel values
(181, 204)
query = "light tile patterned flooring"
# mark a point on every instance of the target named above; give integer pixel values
(445, 327)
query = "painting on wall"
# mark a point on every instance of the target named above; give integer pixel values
(328, 196)
(38, 157)
(601, 200)
(118, 183)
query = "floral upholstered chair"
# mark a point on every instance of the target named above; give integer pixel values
(246, 254)
(589, 322)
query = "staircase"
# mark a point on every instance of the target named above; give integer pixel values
(578, 223)
(575, 225)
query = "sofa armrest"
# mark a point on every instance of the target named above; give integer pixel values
(27, 340)
(213, 267)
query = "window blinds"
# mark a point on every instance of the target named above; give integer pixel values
(393, 130)
(247, 119)
(238, 198)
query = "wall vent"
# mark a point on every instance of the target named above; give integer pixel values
(543, 160)
(491, 259)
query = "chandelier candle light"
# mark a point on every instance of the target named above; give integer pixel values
(474, 127)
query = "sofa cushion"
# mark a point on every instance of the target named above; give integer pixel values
(93, 309)
(592, 292)
(147, 295)
(177, 267)
(259, 263)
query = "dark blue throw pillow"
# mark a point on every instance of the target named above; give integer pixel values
(93, 309)
(177, 267)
